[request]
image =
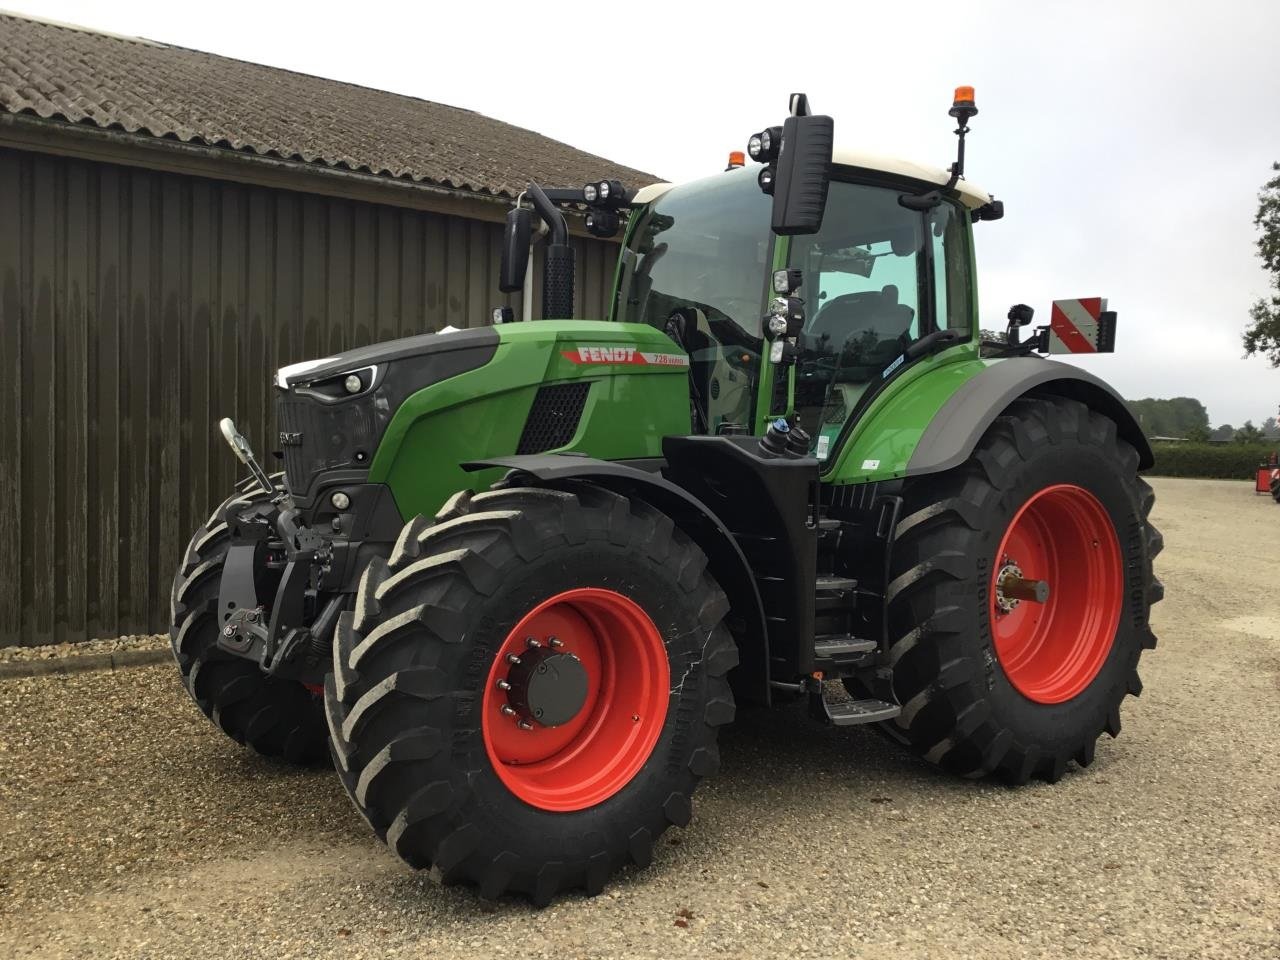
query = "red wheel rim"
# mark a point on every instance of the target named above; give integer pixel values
(1051, 651)
(590, 757)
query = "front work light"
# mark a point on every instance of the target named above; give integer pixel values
(786, 282)
(590, 193)
(353, 383)
(764, 145)
(603, 223)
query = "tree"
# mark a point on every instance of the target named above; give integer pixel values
(1270, 428)
(1224, 432)
(1249, 433)
(1262, 336)
(1169, 418)
(1198, 434)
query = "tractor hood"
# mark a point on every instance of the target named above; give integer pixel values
(332, 413)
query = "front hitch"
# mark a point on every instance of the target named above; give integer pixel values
(265, 625)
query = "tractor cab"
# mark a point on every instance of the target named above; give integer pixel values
(876, 278)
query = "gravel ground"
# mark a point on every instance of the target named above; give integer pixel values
(130, 828)
(54, 651)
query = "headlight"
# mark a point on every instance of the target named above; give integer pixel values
(604, 189)
(589, 193)
(777, 325)
(353, 383)
(755, 146)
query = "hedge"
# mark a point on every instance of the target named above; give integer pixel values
(1214, 461)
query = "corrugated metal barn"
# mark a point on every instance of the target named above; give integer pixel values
(174, 226)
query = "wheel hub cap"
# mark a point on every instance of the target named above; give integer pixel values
(547, 688)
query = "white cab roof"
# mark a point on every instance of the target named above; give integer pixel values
(972, 195)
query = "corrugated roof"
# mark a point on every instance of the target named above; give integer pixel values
(69, 74)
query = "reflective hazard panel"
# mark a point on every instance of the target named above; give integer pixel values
(1084, 325)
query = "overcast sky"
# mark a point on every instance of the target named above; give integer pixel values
(1127, 140)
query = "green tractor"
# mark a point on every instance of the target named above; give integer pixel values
(514, 579)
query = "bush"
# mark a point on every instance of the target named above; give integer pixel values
(1214, 461)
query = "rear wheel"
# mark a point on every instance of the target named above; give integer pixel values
(529, 689)
(1018, 606)
(277, 717)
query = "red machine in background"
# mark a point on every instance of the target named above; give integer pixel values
(1268, 479)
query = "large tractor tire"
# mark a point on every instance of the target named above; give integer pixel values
(991, 683)
(278, 718)
(529, 689)
(1274, 486)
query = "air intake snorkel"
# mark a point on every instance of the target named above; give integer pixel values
(557, 271)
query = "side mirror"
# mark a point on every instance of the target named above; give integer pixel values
(515, 249)
(803, 175)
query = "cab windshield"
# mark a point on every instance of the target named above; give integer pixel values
(696, 267)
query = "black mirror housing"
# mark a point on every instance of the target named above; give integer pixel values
(803, 175)
(515, 249)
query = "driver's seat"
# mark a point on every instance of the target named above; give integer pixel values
(852, 315)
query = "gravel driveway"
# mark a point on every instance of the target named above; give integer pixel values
(130, 828)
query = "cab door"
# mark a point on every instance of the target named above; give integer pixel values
(877, 278)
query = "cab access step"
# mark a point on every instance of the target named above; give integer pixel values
(829, 702)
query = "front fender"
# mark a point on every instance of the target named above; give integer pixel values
(725, 559)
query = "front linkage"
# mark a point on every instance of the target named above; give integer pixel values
(281, 589)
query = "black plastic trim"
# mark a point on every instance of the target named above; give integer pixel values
(433, 343)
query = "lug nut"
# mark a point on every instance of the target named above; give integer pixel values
(524, 724)
(503, 685)
(513, 659)
(509, 710)
(555, 642)
(531, 643)
(228, 631)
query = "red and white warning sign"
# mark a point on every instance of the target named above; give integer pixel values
(618, 354)
(1083, 325)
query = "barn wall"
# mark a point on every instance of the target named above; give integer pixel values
(136, 309)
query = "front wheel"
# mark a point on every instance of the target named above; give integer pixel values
(529, 689)
(1022, 584)
(279, 718)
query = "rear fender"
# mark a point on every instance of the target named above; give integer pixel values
(725, 560)
(953, 433)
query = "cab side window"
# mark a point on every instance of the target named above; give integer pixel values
(952, 296)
